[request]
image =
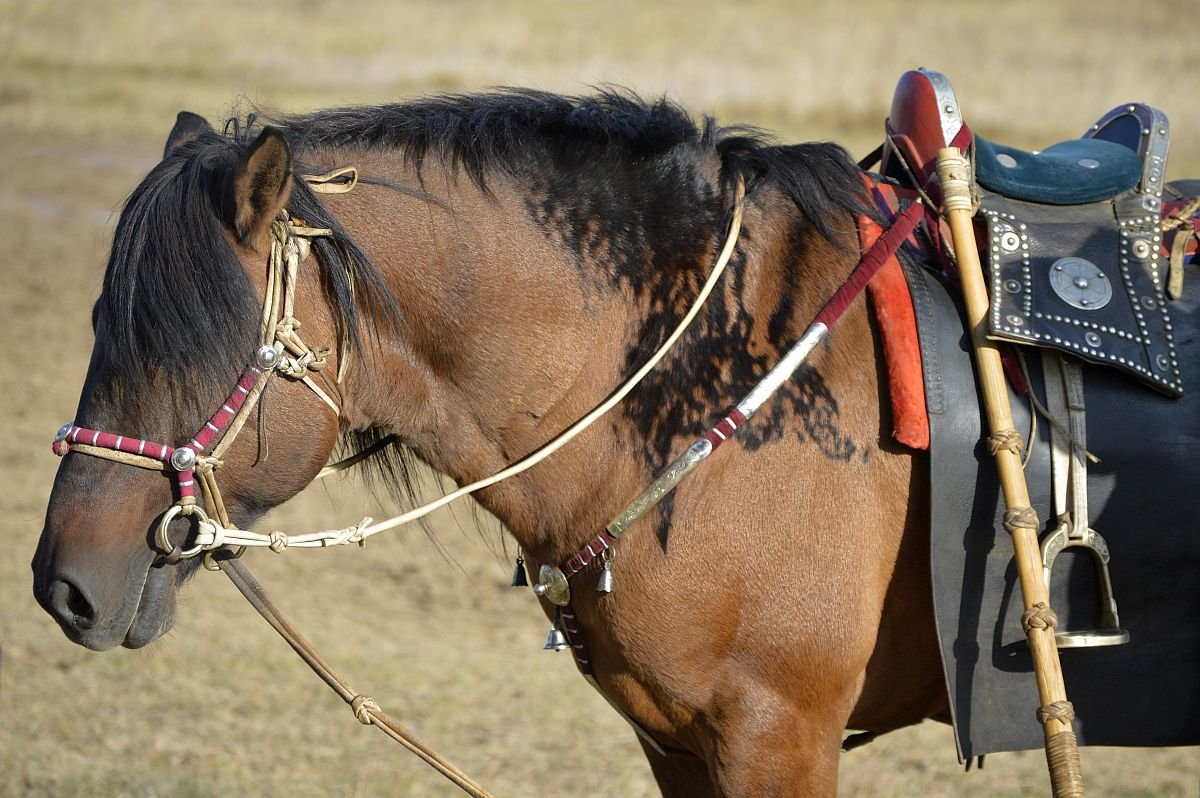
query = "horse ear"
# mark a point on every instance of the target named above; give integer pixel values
(262, 184)
(187, 127)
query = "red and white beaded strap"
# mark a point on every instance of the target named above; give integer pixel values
(181, 459)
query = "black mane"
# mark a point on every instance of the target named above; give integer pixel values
(513, 130)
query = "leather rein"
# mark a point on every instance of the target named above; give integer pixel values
(282, 351)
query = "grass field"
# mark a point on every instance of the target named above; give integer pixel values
(429, 627)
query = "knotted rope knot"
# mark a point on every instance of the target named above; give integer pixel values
(206, 464)
(294, 367)
(291, 248)
(286, 327)
(1016, 518)
(210, 535)
(279, 542)
(1061, 711)
(186, 504)
(351, 534)
(1005, 440)
(362, 706)
(1039, 616)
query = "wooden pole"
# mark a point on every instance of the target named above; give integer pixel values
(1056, 713)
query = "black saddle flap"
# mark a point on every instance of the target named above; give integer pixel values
(1085, 279)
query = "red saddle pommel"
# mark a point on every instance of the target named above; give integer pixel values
(925, 117)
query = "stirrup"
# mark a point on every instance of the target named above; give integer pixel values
(1109, 631)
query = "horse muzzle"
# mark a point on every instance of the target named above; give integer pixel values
(132, 612)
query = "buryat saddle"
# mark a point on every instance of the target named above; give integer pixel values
(1086, 247)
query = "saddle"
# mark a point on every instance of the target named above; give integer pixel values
(1085, 247)
(1075, 243)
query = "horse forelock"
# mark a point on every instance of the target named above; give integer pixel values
(175, 297)
(177, 302)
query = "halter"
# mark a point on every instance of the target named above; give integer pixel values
(281, 350)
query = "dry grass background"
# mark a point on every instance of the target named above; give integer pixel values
(220, 707)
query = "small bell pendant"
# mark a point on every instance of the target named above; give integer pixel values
(518, 578)
(605, 583)
(556, 640)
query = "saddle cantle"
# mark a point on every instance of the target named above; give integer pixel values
(1074, 239)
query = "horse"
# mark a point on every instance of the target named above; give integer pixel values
(503, 261)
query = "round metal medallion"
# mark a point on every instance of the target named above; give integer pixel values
(1080, 283)
(63, 431)
(1010, 241)
(183, 458)
(267, 357)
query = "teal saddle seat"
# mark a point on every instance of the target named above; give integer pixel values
(1072, 172)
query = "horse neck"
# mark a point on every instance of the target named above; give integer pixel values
(524, 312)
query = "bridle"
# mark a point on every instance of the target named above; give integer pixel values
(282, 351)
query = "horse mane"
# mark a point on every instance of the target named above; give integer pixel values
(511, 131)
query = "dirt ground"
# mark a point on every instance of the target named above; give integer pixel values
(426, 625)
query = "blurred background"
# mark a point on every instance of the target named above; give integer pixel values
(428, 626)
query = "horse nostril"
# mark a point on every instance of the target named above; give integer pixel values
(71, 606)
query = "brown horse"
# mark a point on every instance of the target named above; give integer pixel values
(504, 261)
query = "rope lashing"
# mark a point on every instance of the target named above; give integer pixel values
(1061, 711)
(363, 706)
(1182, 216)
(1008, 440)
(1020, 518)
(1039, 616)
(1066, 773)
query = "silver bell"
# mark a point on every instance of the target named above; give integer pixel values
(605, 583)
(556, 640)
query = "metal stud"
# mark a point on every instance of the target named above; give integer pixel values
(267, 357)
(183, 459)
(63, 431)
(552, 585)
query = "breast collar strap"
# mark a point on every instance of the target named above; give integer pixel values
(602, 545)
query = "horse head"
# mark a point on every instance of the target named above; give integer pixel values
(176, 321)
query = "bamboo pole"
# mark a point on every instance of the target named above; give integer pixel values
(1056, 713)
